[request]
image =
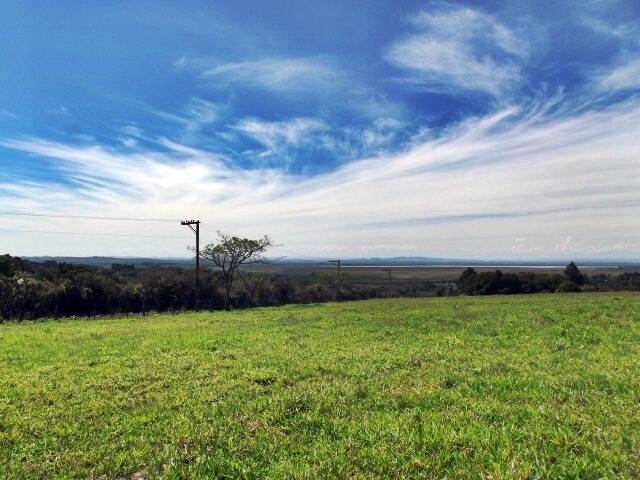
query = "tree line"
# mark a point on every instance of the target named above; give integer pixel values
(571, 280)
(30, 290)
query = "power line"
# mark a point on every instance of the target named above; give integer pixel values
(93, 234)
(89, 217)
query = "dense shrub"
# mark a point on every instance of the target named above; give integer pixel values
(568, 287)
(494, 283)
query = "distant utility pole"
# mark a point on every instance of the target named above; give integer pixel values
(196, 230)
(389, 288)
(338, 263)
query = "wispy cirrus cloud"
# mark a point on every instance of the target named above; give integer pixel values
(521, 172)
(196, 114)
(627, 31)
(337, 144)
(458, 48)
(273, 135)
(625, 75)
(346, 116)
(289, 139)
(271, 73)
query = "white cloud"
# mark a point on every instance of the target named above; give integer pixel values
(272, 73)
(624, 76)
(196, 114)
(468, 24)
(626, 32)
(129, 142)
(624, 72)
(569, 246)
(8, 114)
(324, 85)
(132, 130)
(565, 245)
(284, 139)
(275, 136)
(518, 173)
(460, 49)
(201, 111)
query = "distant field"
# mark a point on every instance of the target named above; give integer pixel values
(407, 274)
(536, 386)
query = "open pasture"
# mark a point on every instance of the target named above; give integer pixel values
(537, 386)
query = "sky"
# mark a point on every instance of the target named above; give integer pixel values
(477, 129)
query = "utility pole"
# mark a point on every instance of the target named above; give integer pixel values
(196, 230)
(338, 263)
(389, 288)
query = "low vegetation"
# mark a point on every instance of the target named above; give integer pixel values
(30, 290)
(497, 283)
(536, 386)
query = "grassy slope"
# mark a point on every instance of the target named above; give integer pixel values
(494, 387)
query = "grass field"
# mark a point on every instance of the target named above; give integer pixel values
(538, 386)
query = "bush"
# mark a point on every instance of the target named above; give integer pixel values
(467, 281)
(9, 265)
(568, 287)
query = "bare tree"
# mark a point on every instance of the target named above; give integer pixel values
(230, 252)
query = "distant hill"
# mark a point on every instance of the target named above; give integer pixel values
(106, 262)
(470, 262)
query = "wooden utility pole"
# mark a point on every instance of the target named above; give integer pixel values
(338, 263)
(196, 230)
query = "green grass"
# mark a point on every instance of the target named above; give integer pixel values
(538, 386)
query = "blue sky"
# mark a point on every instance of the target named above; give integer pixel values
(456, 129)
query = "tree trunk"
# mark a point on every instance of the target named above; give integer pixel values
(228, 283)
(227, 295)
